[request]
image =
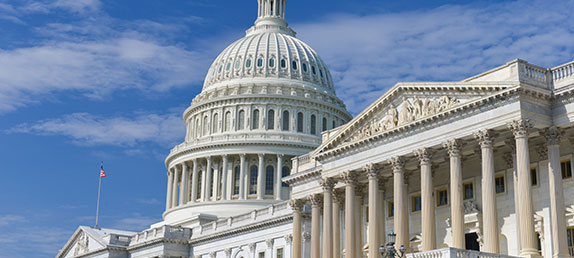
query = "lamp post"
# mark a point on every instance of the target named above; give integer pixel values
(390, 251)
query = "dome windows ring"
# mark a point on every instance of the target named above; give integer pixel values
(294, 65)
(248, 63)
(228, 66)
(305, 69)
(237, 64)
(313, 70)
(272, 62)
(260, 62)
(283, 63)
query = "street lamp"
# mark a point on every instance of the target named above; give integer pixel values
(390, 251)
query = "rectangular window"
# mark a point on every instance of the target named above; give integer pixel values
(570, 232)
(533, 176)
(417, 202)
(441, 197)
(499, 182)
(391, 209)
(566, 167)
(468, 191)
(538, 244)
(261, 254)
(280, 253)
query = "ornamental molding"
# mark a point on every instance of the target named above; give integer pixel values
(303, 176)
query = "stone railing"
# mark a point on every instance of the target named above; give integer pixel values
(563, 75)
(456, 253)
(553, 78)
(170, 232)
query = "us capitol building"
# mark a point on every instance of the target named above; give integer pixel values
(273, 165)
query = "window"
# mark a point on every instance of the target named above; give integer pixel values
(197, 129)
(272, 62)
(285, 120)
(253, 180)
(324, 124)
(283, 63)
(391, 209)
(294, 65)
(285, 171)
(199, 176)
(215, 121)
(262, 254)
(227, 121)
(210, 182)
(220, 68)
(205, 125)
(236, 180)
(305, 67)
(538, 244)
(468, 191)
(570, 233)
(255, 120)
(280, 253)
(237, 64)
(321, 72)
(441, 197)
(313, 70)
(313, 124)
(417, 202)
(248, 63)
(300, 122)
(333, 124)
(271, 119)
(566, 167)
(228, 66)
(241, 122)
(269, 180)
(499, 184)
(260, 62)
(533, 176)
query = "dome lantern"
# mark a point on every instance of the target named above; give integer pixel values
(271, 18)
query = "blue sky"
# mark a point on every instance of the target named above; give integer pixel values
(89, 80)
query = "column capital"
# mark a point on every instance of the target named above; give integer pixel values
(327, 183)
(453, 147)
(542, 151)
(371, 170)
(552, 135)
(520, 127)
(269, 243)
(224, 156)
(260, 155)
(397, 163)
(338, 196)
(194, 162)
(484, 137)
(288, 238)
(360, 191)
(296, 204)
(349, 177)
(508, 159)
(382, 183)
(424, 155)
(511, 144)
(242, 156)
(316, 200)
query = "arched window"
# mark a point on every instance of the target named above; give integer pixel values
(260, 62)
(236, 180)
(215, 123)
(210, 182)
(227, 121)
(285, 120)
(248, 63)
(305, 67)
(324, 124)
(253, 179)
(272, 62)
(205, 125)
(313, 124)
(283, 63)
(269, 180)
(271, 119)
(199, 176)
(241, 122)
(294, 65)
(255, 123)
(313, 70)
(237, 64)
(300, 122)
(285, 171)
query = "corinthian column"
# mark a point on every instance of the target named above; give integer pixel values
(381, 211)
(456, 202)
(350, 180)
(175, 187)
(260, 177)
(194, 181)
(279, 175)
(526, 212)
(315, 201)
(242, 182)
(208, 179)
(327, 185)
(401, 216)
(297, 207)
(427, 213)
(184, 193)
(169, 189)
(338, 198)
(489, 211)
(374, 204)
(558, 219)
(224, 176)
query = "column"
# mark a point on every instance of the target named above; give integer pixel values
(194, 181)
(175, 187)
(242, 177)
(558, 219)
(184, 193)
(216, 180)
(297, 207)
(338, 199)
(279, 173)
(526, 212)
(401, 219)
(261, 177)
(208, 178)
(427, 213)
(489, 211)
(381, 212)
(224, 176)
(359, 192)
(349, 178)
(456, 197)
(374, 204)
(169, 189)
(510, 160)
(315, 201)
(327, 184)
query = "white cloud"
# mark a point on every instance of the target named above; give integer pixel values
(74, 6)
(369, 54)
(135, 222)
(87, 129)
(6, 220)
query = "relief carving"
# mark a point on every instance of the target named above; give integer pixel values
(82, 246)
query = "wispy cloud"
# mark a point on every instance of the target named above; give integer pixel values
(9, 219)
(136, 222)
(369, 54)
(88, 129)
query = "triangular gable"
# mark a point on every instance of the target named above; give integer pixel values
(407, 104)
(82, 241)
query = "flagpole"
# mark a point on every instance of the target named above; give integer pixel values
(99, 190)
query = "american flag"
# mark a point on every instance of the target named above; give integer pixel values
(102, 172)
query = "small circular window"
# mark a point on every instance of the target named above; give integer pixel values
(248, 63)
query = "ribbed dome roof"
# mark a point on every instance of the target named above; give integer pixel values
(270, 53)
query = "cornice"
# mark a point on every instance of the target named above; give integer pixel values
(157, 241)
(313, 173)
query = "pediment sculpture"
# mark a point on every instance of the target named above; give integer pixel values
(82, 244)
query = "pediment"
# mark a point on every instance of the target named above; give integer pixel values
(408, 104)
(82, 241)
